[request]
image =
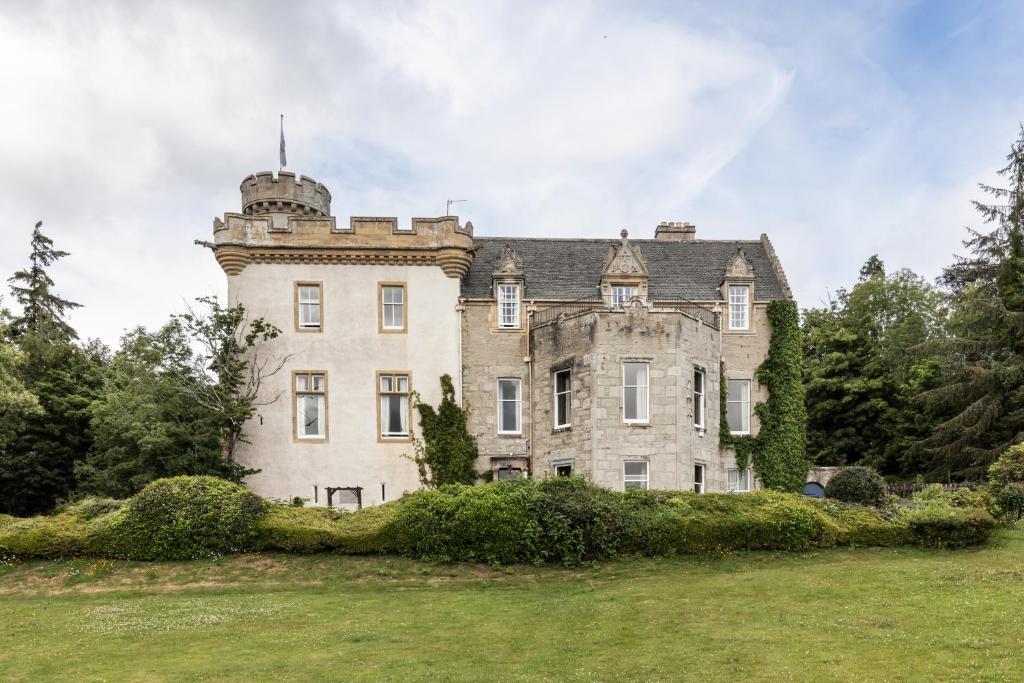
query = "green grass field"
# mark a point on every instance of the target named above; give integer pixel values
(850, 615)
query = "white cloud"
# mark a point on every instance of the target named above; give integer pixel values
(127, 127)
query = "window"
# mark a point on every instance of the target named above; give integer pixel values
(393, 390)
(563, 470)
(621, 294)
(509, 406)
(310, 405)
(563, 398)
(698, 398)
(508, 306)
(738, 406)
(634, 392)
(739, 480)
(392, 307)
(506, 473)
(739, 311)
(634, 475)
(307, 306)
(698, 478)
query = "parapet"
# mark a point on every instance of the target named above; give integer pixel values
(264, 193)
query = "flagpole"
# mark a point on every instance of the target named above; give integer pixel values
(282, 160)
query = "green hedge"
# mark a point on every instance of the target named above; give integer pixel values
(183, 518)
(558, 520)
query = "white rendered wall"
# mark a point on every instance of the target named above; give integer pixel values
(351, 350)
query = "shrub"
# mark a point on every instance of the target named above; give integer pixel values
(183, 518)
(91, 508)
(857, 485)
(947, 527)
(1010, 500)
(961, 497)
(863, 526)
(46, 537)
(491, 523)
(298, 530)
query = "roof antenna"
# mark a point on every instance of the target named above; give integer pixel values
(448, 205)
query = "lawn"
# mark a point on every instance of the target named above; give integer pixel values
(868, 614)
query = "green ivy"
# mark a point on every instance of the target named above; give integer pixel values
(447, 453)
(778, 452)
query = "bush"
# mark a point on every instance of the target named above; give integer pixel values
(298, 530)
(183, 518)
(862, 526)
(1010, 500)
(857, 485)
(91, 508)
(947, 527)
(961, 497)
(48, 537)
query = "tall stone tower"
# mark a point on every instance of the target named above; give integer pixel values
(368, 313)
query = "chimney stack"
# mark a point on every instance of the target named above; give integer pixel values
(675, 231)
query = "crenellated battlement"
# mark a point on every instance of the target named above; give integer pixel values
(264, 193)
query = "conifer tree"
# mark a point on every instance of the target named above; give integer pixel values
(42, 310)
(981, 397)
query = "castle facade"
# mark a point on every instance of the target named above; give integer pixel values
(607, 357)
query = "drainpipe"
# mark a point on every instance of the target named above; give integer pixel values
(530, 308)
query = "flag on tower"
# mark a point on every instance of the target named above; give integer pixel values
(284, 159)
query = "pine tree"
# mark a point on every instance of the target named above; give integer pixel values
(981, 397)
(42, 310)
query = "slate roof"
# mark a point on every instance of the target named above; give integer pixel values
(570, 269)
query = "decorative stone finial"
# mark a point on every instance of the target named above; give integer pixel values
(624, 234)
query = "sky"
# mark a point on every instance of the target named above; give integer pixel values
(839, 129)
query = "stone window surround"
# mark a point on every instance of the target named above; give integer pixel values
(498, 284)
(519, 406)
(622, 391)
(380, 308)
(702, 425)
(750, 401)
(556, 427)
(729, 287)
(748, 478)
(295, 408)
(377, 394)
(647, 473)
(319, 284)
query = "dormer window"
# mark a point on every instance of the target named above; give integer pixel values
(508, 306)
(739, 307)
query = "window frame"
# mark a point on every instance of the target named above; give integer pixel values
(381, 327)
(700, 485)
(568, 399)
(519, 406)
(296, 436)
(517, 322)
(647, 394)
(700, 398)
(647, 475)
(297, 285)
(746, 403)
(395, 438)
(741, 475)
(736, 306)
(561, 465)
(615, 302)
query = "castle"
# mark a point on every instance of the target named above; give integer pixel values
(604, 358)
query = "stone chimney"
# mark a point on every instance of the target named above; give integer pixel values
(675, 231)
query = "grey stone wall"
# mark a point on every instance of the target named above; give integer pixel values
(487, 355)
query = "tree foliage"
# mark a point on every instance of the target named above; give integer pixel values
(226, 376)
(145, 424)
(860, 378)
(447, 453)
(981, 364)
(42, 310)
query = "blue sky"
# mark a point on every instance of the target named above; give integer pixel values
(840, 129)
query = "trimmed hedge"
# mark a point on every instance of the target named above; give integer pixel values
(857, 485)
(182, 518)
(558, 520)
